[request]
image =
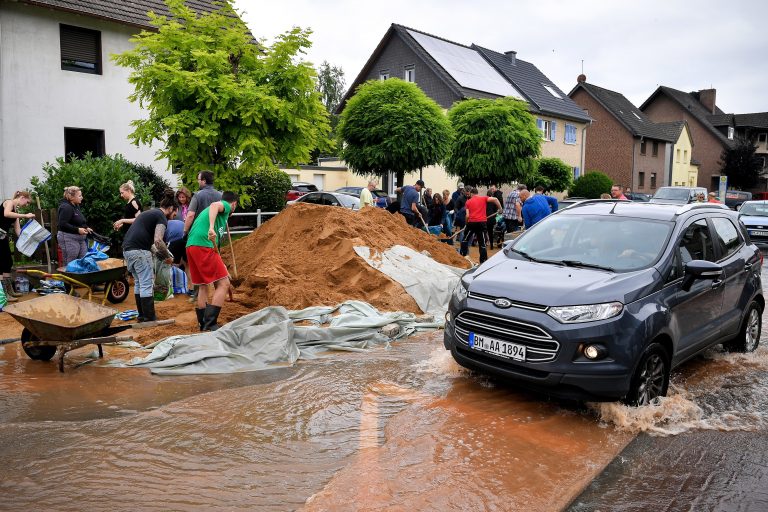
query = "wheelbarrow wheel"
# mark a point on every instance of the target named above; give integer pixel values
(118, 291)
(36, 353)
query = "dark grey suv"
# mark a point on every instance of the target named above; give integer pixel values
(601, 300)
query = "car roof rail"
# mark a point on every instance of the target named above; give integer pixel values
(584, 202)
(698, 206)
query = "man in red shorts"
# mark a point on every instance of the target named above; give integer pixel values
(205, 264)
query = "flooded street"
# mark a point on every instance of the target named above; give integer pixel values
(402, 428)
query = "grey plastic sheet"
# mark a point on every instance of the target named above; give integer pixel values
(270, 337)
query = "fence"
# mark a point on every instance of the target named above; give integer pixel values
(238, 228)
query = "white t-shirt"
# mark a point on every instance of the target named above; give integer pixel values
(366, 199)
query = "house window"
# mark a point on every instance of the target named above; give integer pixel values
(685, 156)
(655, 149)
(548, 129)
(410, 74)
(762, 138)
(642, 148)
(730, 133)
(570, 134)
(552, 91)
(80, 49)
(641, 179)
(677, 156)
(653, 180)
(384, 74)
(78, 142)
(576, 173)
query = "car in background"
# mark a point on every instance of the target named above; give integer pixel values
(754, 216)
(637, 196)
(678, 195)
(735, 198)
(601, 300)
(569, 201)
(379, 196)
(329, 199)
(298, 189)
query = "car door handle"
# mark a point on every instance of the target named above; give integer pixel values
(718, 283)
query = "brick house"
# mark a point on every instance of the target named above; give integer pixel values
(449, 72)
(623, 142)
(753, 127)
(698, 109)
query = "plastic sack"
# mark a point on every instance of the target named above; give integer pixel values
(87, 263)
(162, 288)
(31, 236)
(179, 281)
(3, 299)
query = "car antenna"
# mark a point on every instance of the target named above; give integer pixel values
(614, 207)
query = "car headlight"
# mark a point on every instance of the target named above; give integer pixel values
(585, 313)
(460, 292)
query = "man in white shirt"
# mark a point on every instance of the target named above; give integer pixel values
(366, 198)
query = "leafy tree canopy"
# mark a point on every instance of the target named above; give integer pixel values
(330, 85)
(217, 100)
(391, 125)
(741, 165)
(553, 174)
(591, 185)
(496, 141)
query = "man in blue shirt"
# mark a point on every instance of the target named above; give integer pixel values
(410, 201)
(551, 201)
(535, 208)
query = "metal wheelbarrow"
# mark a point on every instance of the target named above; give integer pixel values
(57, 323)
(112, 275)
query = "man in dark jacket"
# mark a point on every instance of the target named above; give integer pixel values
(490, 210)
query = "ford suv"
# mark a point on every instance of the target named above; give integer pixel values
(600, 301)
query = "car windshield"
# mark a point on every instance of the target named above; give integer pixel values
(675, 194)
(755, 209)
(613, 243)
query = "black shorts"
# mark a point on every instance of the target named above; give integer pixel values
(179, 250)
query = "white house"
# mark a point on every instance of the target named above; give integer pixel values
(59, 91)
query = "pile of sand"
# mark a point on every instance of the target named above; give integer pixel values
(304, 257)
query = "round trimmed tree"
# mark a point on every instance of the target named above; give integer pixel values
(391, 125)
(591, 185)
(496, 141)
(553, 174)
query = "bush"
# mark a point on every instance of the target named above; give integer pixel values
(553, 174)
(591, 185)
(268, 190)
(154, 183)
(100, 180)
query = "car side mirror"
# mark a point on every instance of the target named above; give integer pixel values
(700, 269)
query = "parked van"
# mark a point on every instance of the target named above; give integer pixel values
(734, 198)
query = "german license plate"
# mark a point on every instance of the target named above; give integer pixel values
(759, 233)
(498, 347)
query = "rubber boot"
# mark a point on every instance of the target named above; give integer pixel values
(210, 317)
(139, 308)
(148, 307)
(10, 291)
(200, 312)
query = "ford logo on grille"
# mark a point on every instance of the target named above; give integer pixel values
(502, 303)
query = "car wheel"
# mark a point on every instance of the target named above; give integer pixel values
(749, 334)
(651, 377)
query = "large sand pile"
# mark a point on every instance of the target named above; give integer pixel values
(304, 257)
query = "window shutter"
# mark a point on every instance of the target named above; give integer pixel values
(539, 124)
(552, 130)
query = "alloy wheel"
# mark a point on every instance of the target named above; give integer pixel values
(752, 332)
(651, 380)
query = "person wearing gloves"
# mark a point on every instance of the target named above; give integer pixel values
(73, 227)
(10, 219)
(145, 236)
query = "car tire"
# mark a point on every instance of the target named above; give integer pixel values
(749, 333)
(651, 377)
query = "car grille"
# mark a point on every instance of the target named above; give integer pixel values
(514, 303)
(540, 346)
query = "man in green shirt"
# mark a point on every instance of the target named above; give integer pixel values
(205, 263)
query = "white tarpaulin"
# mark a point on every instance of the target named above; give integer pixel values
(429, 282)
(270, 337)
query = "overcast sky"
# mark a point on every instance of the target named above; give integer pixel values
(629, 47)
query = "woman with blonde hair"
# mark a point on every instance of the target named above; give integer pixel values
(73, 227)
(10, 219)
(132, 205)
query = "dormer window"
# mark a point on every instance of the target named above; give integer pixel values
(384, 74)
(730, 133)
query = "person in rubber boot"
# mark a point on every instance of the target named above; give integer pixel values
(205, 263)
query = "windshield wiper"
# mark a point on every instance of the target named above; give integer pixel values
(576, 263)
(528, 256)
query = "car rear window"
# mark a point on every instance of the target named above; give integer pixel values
(674, 194)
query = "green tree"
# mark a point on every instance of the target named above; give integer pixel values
(391, 125)
(153, 182)
(591, 185)
(100, 180)
(268, 190)
(496, 141)
(330, 85)
(741, 165)
(553, 174)
(218, 100)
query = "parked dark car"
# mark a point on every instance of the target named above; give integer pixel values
(754, 216)
(678, 195)
(601, 300)
(637, 196)
(329, 199)
(381, 197)
(298, 189)
(735, 198)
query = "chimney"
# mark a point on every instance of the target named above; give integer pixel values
(581, 78)
(707, 98)
(512, 56)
